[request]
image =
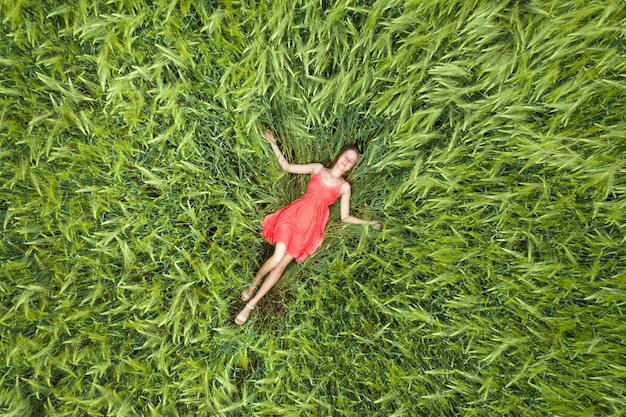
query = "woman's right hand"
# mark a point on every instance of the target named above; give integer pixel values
(268, 135)
(376, 224)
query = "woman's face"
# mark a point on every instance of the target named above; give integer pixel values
(347, 160)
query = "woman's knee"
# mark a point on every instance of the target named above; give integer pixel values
(279, 254)
(280, 268)
(275, 261)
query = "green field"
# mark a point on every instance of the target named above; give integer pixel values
(134, 175)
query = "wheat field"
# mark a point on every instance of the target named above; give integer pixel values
(134, 175)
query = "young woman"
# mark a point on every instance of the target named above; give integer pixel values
(296, 230)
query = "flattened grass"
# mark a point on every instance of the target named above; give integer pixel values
(133, 176)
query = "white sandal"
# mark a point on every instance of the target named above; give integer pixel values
(242, 319)
(245, 296)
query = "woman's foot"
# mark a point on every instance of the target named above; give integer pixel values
(242, 317)
(247, 292)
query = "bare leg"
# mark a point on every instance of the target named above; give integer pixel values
(279, 252)
(272, 278)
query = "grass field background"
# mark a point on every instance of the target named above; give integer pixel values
(133, 176)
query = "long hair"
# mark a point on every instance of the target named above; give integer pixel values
(347, 147)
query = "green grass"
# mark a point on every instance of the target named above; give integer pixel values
(133, 176)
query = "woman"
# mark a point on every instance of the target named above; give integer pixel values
(297, 229)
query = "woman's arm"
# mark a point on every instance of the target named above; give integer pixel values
(286, 166)
(344, 209)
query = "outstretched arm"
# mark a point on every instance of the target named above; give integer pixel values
(286, 166)
(344, 209)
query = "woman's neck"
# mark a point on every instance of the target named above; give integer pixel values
(335, 173)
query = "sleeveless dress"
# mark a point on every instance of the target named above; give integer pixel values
(300, 224)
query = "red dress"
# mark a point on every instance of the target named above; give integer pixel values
(300, 224)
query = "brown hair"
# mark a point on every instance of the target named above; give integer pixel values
(348, 147)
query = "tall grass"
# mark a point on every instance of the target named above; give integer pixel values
(133, 175)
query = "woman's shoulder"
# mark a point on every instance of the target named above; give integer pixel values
(345, 187)
(317, 167)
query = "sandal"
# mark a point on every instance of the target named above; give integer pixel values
(245, 296)
(241, 319)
